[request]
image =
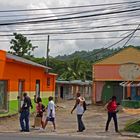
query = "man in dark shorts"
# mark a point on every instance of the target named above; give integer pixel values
(50, 113)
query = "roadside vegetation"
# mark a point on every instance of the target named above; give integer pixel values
(133, 126)
(76, 66)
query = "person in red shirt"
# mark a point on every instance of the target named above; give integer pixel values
(112, 110)
(39, 110)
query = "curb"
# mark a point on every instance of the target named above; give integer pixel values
(130, 135)
(62, 134)
(51, 134)
(8, 116)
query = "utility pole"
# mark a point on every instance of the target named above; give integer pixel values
(47, 52)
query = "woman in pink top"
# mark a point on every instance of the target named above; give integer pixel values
(39, 109)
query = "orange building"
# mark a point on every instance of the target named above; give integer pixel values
(18, 75)
(118, 75)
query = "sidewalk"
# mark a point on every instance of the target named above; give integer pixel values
(66, 123)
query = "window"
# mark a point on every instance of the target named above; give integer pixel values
(48, 81)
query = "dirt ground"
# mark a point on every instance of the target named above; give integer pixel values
(66, 123)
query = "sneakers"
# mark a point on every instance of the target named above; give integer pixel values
(41, 129)
(81, 130)
(117, 131)
(24, 130)
(54, 130)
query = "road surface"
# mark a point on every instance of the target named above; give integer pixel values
(28, 136)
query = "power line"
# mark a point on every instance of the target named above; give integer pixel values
(69, 14)
(79, 21)
(83, 38)
(129, 35)
(77, 32)
(72, 28)
(69, 18)
(71, 7)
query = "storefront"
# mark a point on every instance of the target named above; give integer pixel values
(117, 75)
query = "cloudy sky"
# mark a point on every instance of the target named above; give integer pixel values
(86, 30)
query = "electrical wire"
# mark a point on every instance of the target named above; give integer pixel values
(69, 18)
(73, 28)
(129, 36)
(64, 39)
(71, 7)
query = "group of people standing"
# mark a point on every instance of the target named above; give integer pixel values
(26, 104)
(80, 106)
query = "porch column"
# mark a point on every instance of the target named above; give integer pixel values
(94, 93)
(129, 90)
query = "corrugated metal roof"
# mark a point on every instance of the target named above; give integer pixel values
(23, 60)
(77, 82)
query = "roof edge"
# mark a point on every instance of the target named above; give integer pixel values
(25, 61)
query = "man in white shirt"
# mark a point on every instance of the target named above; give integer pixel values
(50, 113)
(79, 106)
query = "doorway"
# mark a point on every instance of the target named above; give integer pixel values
(21, 89)
(61, 92)
(3, 95)
(37, 88)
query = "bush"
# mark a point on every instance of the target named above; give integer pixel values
(133, 127)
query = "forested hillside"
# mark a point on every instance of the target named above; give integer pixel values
(94, 55)
(77, 65)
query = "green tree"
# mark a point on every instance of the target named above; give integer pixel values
(77, 69)
(21, 46)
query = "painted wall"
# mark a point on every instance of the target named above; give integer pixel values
(13, 71)
(99, 89)
(108, 70)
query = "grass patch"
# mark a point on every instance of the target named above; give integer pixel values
(44, 101)
(13, 107)
(133, 126)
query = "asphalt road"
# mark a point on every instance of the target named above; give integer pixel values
(7, 136)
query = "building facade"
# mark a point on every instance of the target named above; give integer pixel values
(66, 90)
(18, 75)
(118, 75)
